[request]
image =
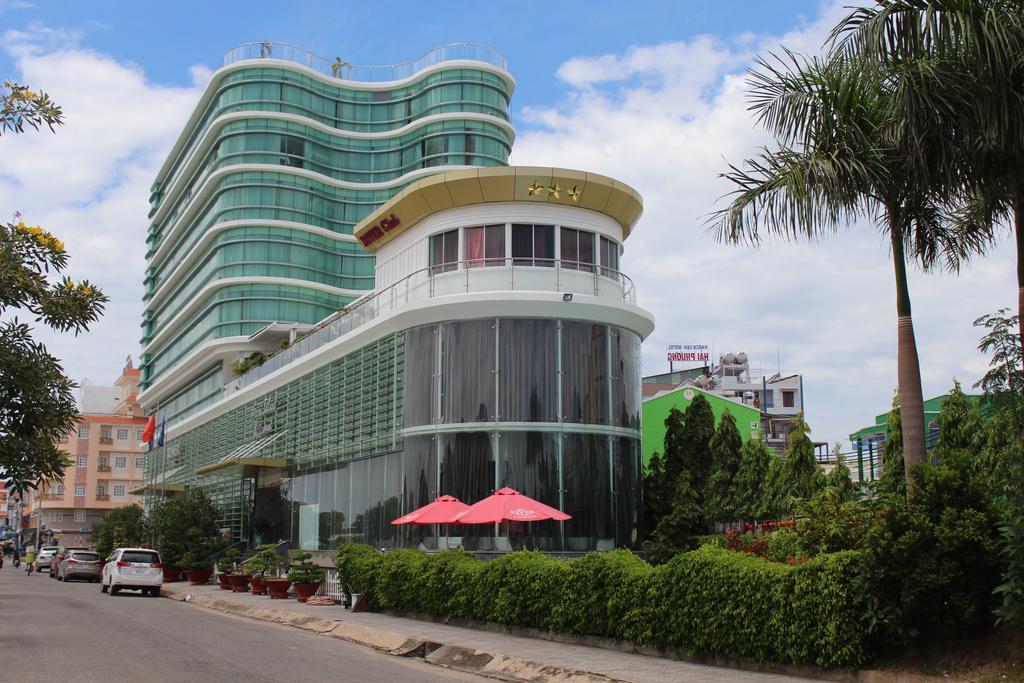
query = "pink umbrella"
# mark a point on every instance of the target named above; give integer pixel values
(508, 504)
(441, 511)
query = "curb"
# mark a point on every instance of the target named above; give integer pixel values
(456, 657)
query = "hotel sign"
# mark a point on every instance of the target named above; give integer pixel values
(375, 232)
(689, 353)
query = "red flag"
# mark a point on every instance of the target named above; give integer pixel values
(147, 433)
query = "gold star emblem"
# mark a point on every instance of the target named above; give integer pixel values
(535, 189)
(575, 194)
(555, 191)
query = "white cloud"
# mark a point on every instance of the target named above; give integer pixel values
(89, 182)
(665, 118)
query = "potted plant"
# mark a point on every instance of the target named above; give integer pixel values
(262, 566)
(305, 575)
(226, 567)
(196, 560)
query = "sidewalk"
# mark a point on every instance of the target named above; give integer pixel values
(487, 653)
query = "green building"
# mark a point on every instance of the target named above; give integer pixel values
(657, 408)
(874, 436)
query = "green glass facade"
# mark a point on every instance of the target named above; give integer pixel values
(252, 219)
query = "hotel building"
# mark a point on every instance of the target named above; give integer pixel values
(463, 326)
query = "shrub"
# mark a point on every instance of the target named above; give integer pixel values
(783, 545)
(303, 571)
(710, 601)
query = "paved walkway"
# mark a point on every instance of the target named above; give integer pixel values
(513, 655)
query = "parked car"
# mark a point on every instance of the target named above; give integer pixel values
(46, 554)
(79, 564)
(133, 569)
(58, 557)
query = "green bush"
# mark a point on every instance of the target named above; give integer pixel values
(783, 545)
(710, 601)
(304, 570)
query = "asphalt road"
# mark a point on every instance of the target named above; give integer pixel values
(56, 631)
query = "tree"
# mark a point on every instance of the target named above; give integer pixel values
(684, 520)
(172, 521)
(36, 405)
(775, 494)
(674, 461)
(801, 472)
(695, 443)
(839, 480)
(20, 105)
(893, 480)
(845, 152)
(1003, 384)
(121, 527)
(970, 85)
(747, 491)
(726, 446)
(656, 494)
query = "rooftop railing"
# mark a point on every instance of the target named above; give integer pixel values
(457, 277)
(342, 70)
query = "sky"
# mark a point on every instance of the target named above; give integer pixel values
(650, 93)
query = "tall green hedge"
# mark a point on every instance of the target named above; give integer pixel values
(708, 602)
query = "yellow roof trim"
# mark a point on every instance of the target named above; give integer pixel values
(274, 463)
(499, 184)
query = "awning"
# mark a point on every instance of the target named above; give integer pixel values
(248, 454)
(159, 484)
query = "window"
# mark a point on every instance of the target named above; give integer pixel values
(484, 246)
(294, 149)
(788, 398)
(140, 556)
(58, 490)
(469, 147)
(101, 490)
(434, 150)
(138, 434)
(83, 432)
(79, 515)
(609, 258)
(104, 460)
(769, 399)
(82, 461)
(118, 490)
(444, 252)
(120, 462)
(533, 245)
(79, 489)
(105, 432)
(58, 516)
(122, 434)
(577, 249)
(140, 463)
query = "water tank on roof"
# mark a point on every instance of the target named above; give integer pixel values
(741, 358)
(701, 381)
(729, 359)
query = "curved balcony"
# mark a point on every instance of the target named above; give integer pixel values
(342, 70)
(447, 279)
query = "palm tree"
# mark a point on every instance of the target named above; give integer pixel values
(976, 91)
(844, 154)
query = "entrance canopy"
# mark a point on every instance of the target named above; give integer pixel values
(248, 454)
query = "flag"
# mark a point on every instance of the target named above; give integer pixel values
(163, 428)
(147, 433)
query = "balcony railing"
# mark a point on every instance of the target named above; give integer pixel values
(447, 279)
(103, 468)
(340, 69)
(106, 441)
(102, 496)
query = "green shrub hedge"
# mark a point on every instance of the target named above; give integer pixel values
(708, 602)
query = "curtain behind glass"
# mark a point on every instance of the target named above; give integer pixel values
(626, 483)
(418, 376)
(467, 472)
(468, 371)
(584, 372)
(473, 244)
(625, 348)
(587, 482)
(528, 373)
(529, 463)
(419, 487)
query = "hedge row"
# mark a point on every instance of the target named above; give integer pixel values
(708, 602)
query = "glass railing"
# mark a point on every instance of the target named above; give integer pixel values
(461, 277)
(340, 69)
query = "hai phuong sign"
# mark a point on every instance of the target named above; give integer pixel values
(383, 227)
(689, 353)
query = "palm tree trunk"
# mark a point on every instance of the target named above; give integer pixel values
(908, 366)
(1018, 229)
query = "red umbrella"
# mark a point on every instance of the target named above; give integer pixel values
(508, 504)
(441, 511)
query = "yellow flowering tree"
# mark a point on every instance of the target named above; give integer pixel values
(37, 406)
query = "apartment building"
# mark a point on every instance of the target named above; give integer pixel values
(108, 461)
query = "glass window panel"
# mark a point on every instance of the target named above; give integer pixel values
(418, 385)
(626, 485)
(467, 371)
(544, 245)
(474, 245)
(529, 463)
(495, 248)
(587, 482)
(625, 380)
(467, 472)
(419, 487)
(528, 377)
(522, 244)
(584, 373)
(586, 251)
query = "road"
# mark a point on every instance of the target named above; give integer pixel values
(51, 630)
